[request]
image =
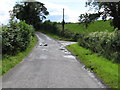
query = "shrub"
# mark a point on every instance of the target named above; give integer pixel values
(16, 37)
(104, 43)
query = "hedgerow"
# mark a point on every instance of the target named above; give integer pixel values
(105, 43)
(16, 37)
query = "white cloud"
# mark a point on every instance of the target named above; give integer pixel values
(4, 18)
(54, 7)
(5, 7)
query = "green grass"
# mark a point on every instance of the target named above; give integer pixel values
(10, 61)
(93, 27)
(103, 68)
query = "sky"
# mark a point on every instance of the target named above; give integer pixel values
(73, 9)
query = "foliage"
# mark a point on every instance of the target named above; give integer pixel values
(102, 67)
(31, 12)
(108, 9)
(55, 28)
(55, 36)
(73, 31)
(86, 19)
(104, 43)
(16, 37)
(9, 61)
(48, 26)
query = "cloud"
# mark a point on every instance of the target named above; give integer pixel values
(71, 15)
(5, 7)
(55, 9)
(73, 8)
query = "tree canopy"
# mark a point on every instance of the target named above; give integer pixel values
(31, 12)
(87, 18)
(107, 9)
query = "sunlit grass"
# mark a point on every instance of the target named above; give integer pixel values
(93, 27)
(103, 68)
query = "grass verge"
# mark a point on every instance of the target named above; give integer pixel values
(10, 61)
(103, 68)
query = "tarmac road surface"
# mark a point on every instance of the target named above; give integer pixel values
(50, 65)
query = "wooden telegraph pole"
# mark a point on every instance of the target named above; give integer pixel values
(63, 22)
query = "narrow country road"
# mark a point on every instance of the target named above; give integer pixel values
(49, 65)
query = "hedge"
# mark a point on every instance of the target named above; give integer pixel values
(16, 37)
(105, 43)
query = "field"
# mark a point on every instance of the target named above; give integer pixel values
(93, 27)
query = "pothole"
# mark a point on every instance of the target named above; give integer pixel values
(43, 44)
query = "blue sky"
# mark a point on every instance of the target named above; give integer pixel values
(73, 8)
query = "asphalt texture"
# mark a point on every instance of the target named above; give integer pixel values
(50, 65)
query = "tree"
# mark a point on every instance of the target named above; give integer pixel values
(31, 12)
(86, 19)
(107, 9)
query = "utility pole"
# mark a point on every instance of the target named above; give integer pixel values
(63, 22)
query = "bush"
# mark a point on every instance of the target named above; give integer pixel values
(49, 27)
(16, 37)
(104, 43)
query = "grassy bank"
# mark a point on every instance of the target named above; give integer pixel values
(93, 27)
(9, 62)
(103, 68)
